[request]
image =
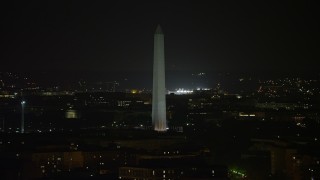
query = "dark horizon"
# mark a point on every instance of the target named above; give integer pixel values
(143, 79)
(118, 37)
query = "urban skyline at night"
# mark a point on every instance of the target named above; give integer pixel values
(166, 90)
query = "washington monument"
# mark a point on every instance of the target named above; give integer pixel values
(159, 121)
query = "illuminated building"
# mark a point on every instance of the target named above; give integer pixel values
(166, 173)
(158, 92)
(71, 114)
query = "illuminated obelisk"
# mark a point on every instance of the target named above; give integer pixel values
(159, 121)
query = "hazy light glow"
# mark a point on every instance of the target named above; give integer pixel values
(181, 91)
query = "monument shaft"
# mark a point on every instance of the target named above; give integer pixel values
(159, 92)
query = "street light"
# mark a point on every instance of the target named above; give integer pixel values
(22, 115)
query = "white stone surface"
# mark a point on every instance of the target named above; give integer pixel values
(158, 92)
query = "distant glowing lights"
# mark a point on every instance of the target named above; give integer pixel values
(182, 91)
(134, 91)
(242, 114)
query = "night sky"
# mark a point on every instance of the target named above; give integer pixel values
(105, 36)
